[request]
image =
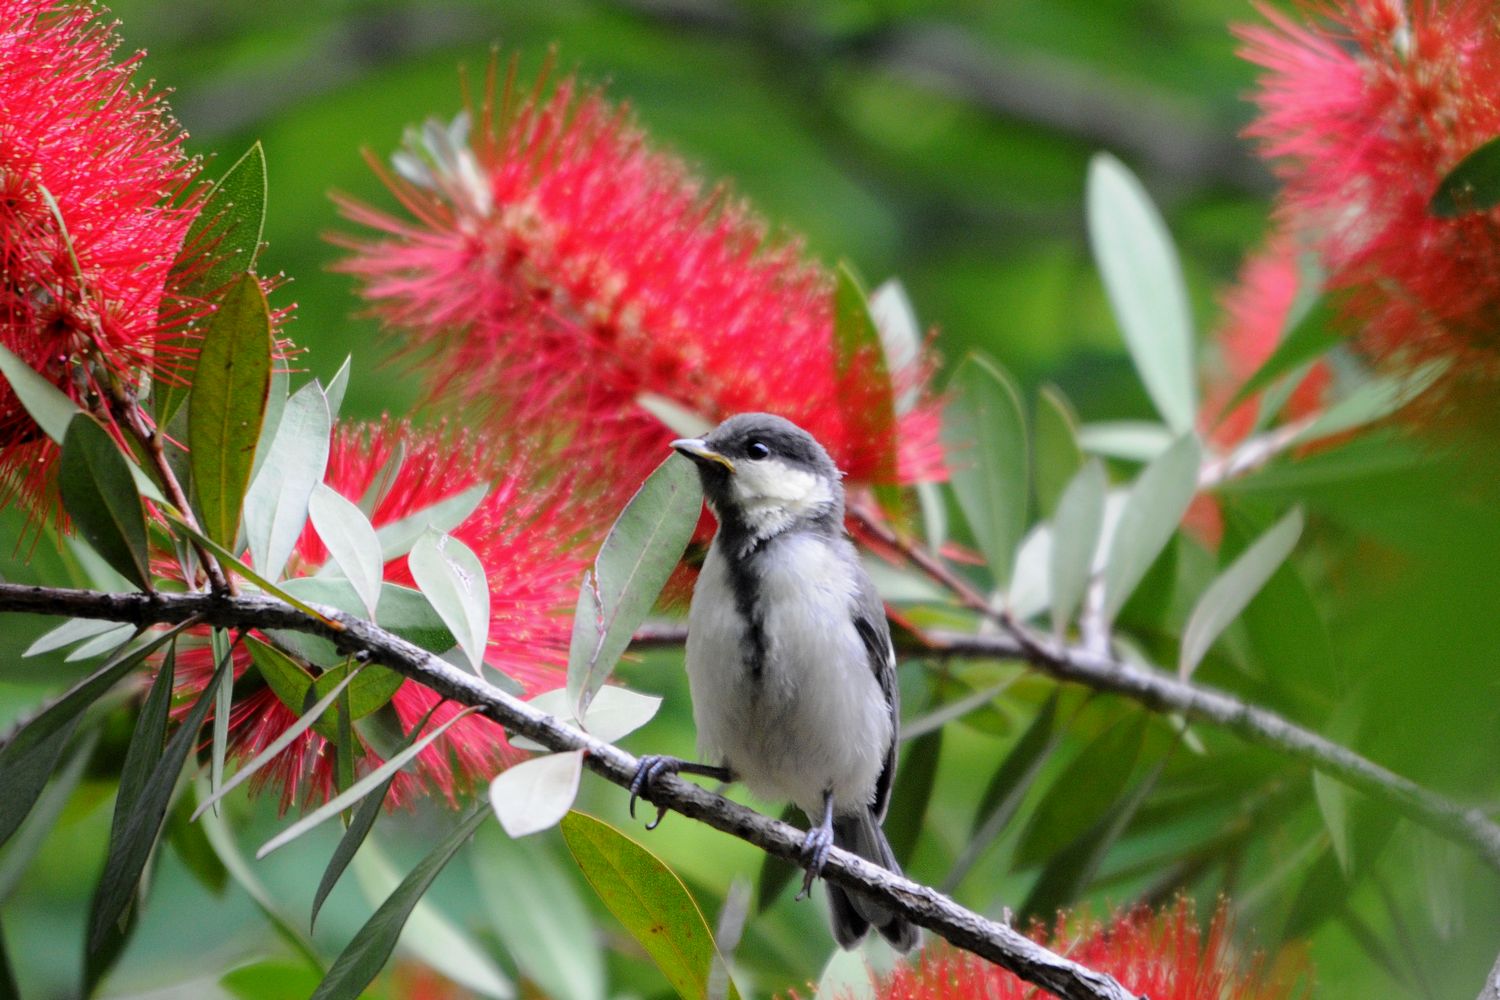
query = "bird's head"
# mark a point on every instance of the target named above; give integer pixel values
(763, 475)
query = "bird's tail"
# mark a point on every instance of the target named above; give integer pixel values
(853, 914)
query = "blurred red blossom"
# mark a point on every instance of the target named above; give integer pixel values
(534, 541)
(1365, 105)
(96, 197)
(556, 267)
(1162, 955)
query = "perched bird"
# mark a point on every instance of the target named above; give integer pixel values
(789, 655)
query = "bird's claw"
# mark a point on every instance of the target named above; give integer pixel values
(815, 848)
(651, 767)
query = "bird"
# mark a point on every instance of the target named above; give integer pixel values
(789, 656)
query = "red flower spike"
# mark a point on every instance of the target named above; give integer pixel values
(560, 266)
(1363, 114)
(86, 277)
(534, 543)
(1160, 955)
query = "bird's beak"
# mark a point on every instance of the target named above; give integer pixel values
(698, 451)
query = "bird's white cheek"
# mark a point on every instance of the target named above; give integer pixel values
(773, 483)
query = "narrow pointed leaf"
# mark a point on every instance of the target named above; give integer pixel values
(223, 706)
(99, 494)
(1083, 792)
(1055, 447)
(227, 232)
(227, 405)
(358, 790)
(637, 557)
(648, 899)
(383, 480)
(337, 386)
(1075, 540)
(146, 742)
(1128, 440)
(126, 857)
(536, 794)
(615, 713)
(360, 825)
(351, 543)
(1235, 588)
(900, 334)
(914, 784)
(43, 816)
(361, 961)
(1471, 186)
(282, 741)
(984, 437)
(276, 504)
(1374, 400)
(1155, 507)
(1333, 806)
(71, 631)
(1141, 272)
(105, 642)
(543, 940)
(865, 391)
(453, 579)
(48, 405)
(32, 753)
(397, 538)
(270, 425)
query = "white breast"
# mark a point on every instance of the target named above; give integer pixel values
(815, 718)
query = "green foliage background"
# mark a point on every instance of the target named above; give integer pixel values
(867, 128)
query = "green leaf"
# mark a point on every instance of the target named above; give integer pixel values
(1069, 872)
(1229, 594)
(191, 845)
(1143, 277)
(1054, 442)
(1309, 338)
(351, 543)
(397, 538)
(361, 824)
(227, 404)
(614, 713)
(28, 759)
(272, 977)
(914, 783)
(222, 841)
(276, 504)
(1156, 505)
(984, 437)
(1333, 806)
(270, 425)
(227, 232)
(648, 899)
(1127, 440)
(37, 830)
(304, 722)
(146, 743)
(361, 961)
(1373, 400)
(383, 480)
(638, 555)
(429, 936)
(337, 386)
(1075, 541)
(359, 789)
(130, 845)
(866, 393)
(48, 405)
(536, 794)
(1084, 791)
(542, 940)
(453, 579)
(223, 707)
(71, 631)
(99, 494)
(1471, 186)
(400, 610)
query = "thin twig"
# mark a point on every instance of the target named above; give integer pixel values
(921, 904)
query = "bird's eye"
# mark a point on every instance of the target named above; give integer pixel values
(757, 449)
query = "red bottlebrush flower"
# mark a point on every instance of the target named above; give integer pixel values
(561, 267)
(91, 170)
(1363, 113)
(1256, 309)
(1163, 956)
(534, 544)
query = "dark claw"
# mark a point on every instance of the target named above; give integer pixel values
(814, 855)
(651, 767)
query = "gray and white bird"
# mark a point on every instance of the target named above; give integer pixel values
(789, 655)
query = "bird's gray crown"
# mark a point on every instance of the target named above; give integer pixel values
(763, 475)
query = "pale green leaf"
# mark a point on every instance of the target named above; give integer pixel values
(48, 405)
(1058, 456)
(351, 543)
(71, 631)
(1157, 503)
(1128, 440)
(276, 503)
(536, 794)
(1235, 588)
(1141, 272)
(397, 538)
(453, 579)
(1075, 540)
(984, 438)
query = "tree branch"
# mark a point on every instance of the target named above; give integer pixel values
(1491, 988)
(1164, 692)
(921, 904)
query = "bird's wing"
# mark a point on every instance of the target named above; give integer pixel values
(875, 631)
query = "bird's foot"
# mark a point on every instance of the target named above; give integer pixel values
(815, 848)
(651, 767)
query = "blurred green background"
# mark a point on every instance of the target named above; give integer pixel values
(946, 144)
